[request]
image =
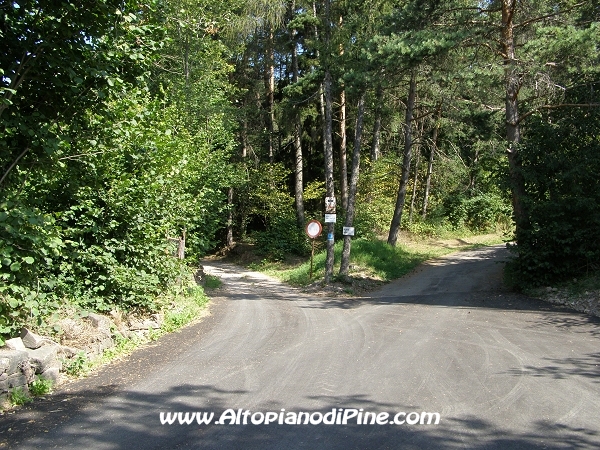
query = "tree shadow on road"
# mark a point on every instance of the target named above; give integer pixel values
(104, 418)
(587, 366)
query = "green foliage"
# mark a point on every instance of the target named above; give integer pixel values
(185, 309)
(561, 162)
(18, 396)
(478, 213)
(282, 237)
(378, 186)
(29, 245)
(40, 386)
(212, 282)
(383, 260)
(266, 201)
(77, 365)
(436, 227)
(99, 168)
(372, 257)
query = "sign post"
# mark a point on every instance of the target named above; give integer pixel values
(313, 230)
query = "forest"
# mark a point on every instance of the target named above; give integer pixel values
(127, 125)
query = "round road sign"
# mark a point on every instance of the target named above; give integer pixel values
(314, 229)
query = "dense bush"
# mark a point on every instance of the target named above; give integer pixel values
(561, 163)
(92, 229)
(478, 212)
(29, 246)
(281, 238)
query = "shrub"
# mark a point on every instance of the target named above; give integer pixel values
(560, 164)
(30, 244)
(40, 386)
(478, 212)
(19, 396)
(282, 237)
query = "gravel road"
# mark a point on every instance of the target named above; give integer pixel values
(501, 370)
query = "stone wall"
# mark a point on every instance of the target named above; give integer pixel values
(30, 355)
(24, 357)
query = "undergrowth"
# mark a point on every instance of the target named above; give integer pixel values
(371, 257)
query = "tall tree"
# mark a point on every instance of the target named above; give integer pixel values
(299, 159)
(408, 143)
(350, 211)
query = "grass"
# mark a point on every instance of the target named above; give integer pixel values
(375, 258)
(212, 282)
(18, 396)
(185, 309)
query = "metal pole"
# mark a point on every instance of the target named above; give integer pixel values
(312, 254)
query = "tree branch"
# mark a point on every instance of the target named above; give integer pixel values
(13, 164)
(562, 105)
(547, 16)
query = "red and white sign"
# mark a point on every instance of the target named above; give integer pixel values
(314, 229)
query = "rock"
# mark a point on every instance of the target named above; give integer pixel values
(32, 340)
(52, 374)
(200, 276)
(158, 318)
(27, 371)
(99, 321)
(147, 324)
(105, 344)
(15, 344)
(4, 364)
(102, 324)
(17, 380)
(43, 358)
(67, 352)
(11, 360)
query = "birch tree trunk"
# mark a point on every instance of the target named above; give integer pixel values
(343, 142)
(270, 85)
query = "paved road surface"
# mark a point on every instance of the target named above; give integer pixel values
(503, 371)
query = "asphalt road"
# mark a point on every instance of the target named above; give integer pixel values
(501, 370)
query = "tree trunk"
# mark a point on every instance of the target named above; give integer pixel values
(270, 85)
(343, 155)
(416, 178)
(345, 263)
(430, 165)
(397, 219)
(329, 185)
(230, 241)
(513, 130)
(343, 142)
(375, 150)
(299, 163)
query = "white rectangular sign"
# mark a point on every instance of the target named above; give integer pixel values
(330, 218)
(348, 231)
